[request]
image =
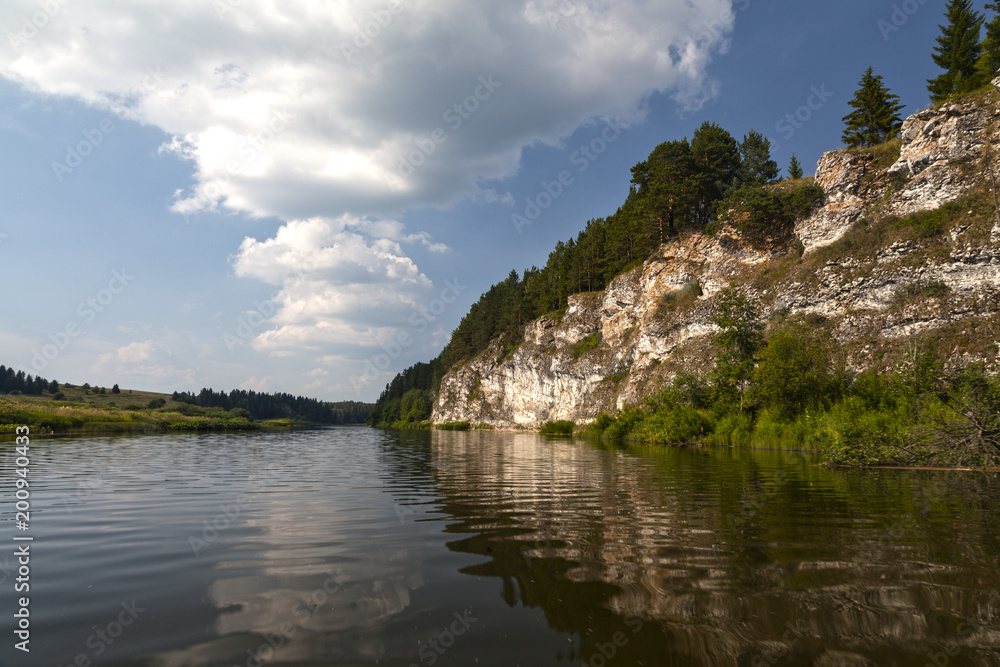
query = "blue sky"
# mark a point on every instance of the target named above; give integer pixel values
(306, 197)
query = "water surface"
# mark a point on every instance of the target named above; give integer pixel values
(352, 546)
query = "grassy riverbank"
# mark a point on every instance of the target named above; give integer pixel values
(79, 410)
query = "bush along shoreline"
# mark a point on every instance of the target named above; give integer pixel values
(789, 388)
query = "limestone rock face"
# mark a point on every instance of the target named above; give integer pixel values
(841, 175)
(655, 320)
(937, 144)
(949, 134)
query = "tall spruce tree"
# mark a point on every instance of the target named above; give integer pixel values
(667, 188)
(957, 52)
(875, 118)
(794, 168)
(989, 59)
(716, 159)
(756, 166)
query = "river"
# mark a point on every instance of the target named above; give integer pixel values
(354, 546)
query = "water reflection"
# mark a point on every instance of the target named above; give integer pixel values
(356, 546)
(710, 557)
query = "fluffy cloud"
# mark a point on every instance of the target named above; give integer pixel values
(303, 109)
(343, 282)
(337, 115)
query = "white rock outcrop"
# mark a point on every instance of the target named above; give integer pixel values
(937, 145)
(644, 333)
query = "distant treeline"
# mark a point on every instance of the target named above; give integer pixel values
(279, 406)
(11, 381)
(407, 399)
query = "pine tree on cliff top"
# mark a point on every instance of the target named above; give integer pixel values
(989, 60)
(756, 166)
(875, 118)
(794, 168)
(957, 52)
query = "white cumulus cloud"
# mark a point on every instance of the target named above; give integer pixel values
(336, 116)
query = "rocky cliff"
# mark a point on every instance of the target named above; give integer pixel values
(906, 243)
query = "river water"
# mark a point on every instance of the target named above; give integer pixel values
(354, 546)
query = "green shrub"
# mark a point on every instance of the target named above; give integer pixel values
(914, 291)
(865, 436)
(757, 211)
(674, 425)
(454, 426)
(587, 344)
(734, 429)
(794, 372)
(679, 300)
(562, 427)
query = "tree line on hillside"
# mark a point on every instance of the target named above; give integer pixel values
(257, 405)
(279, 406)
(681, 185)
(968, 61)
(406, 401)
(12, 381)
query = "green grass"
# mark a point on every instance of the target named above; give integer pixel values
(885, 154)
(679, 300)
(43, 415)
(587, 344)
(454, 426)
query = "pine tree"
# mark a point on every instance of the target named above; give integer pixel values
(988, 64)
(756, 166)
(666, 188)
(957, 52)
(716, 159)
(739, 338)
(875, 118)
(794, 168)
